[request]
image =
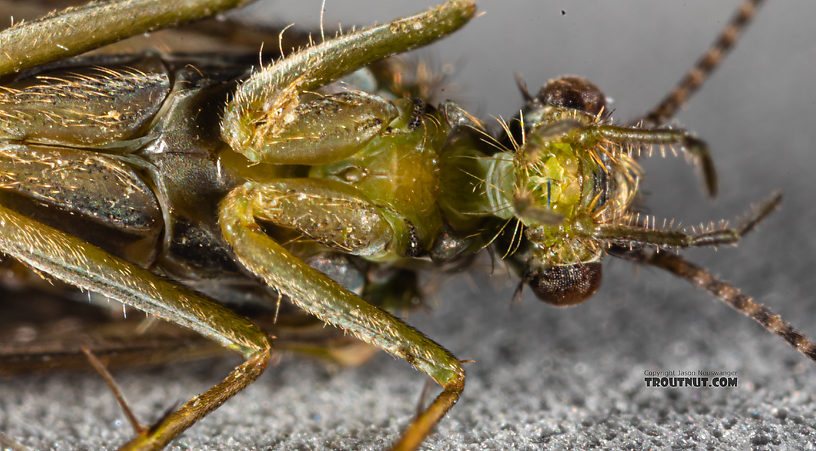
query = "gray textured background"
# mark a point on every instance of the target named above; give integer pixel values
(548, 378)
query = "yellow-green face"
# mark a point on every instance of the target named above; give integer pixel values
(557, 181)
(585, 182)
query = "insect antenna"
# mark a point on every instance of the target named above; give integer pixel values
(724, 291)
(705, 66)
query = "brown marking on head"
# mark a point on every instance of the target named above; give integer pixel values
(566, 285)
(573, 92)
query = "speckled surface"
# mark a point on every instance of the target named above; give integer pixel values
(548, 378)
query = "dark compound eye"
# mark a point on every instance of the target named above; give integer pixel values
(565, 285)
(573, 92)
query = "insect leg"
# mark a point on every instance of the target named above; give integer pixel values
(702, 278)
(268, 101)
(316, 293)
(134, 341)
(639, 235)
(695, 147)
(697, 75)
(82, 28)
(73, 260)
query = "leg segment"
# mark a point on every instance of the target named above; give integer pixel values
(159, 435)
(664, 137)
(91, 26)
(72, 260)
(328, 128)
(138, 342)
(330, 212)
(626, 235)
(319, 295)
(267, 102)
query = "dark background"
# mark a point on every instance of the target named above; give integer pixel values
(545, 377)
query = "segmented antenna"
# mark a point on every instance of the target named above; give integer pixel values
(703, 279)
(711, 59)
